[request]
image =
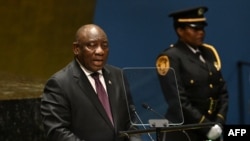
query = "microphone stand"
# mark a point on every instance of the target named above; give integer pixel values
(159, 126)
(158, 130)
(132, 107)
(156, 123)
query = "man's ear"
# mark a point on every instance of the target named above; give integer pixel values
(75, 48)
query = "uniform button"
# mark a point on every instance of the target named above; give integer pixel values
(192, 81)
(210, 73)
(211, 85)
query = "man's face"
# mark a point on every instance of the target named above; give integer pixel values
(93, 49)
(192, 36)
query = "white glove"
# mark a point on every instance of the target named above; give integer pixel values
(214, 132)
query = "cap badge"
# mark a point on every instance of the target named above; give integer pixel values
(200, 11)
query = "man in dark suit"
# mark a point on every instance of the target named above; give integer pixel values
(70, 107)
(197, 66)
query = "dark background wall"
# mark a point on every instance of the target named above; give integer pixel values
(36, 39)
(140, 29)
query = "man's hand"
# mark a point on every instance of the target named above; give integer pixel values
(214, 132)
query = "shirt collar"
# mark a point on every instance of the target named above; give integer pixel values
(86, 71)
(192, 49)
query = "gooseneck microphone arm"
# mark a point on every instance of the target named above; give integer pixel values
(146, 106)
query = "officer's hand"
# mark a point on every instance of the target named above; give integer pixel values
(214, 132)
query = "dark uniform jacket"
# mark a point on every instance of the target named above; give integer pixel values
(71, 110)
(202, 89)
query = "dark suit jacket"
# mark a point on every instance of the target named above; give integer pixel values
(71, 110)
(197, 84)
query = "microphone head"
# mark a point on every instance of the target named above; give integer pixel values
(144, 105)
(132, 107)
(147, 107)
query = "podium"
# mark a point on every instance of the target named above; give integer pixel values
(157, 106)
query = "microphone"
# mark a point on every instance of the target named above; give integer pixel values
(147, 107)
(132, 107)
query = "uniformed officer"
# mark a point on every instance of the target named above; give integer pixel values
(197, 66)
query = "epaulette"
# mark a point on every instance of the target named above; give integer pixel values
(217, 63)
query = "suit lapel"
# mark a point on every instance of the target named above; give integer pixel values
(194, 58)
(86, 88)
(110, 89)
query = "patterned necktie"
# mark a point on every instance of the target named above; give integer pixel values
(102, 95)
